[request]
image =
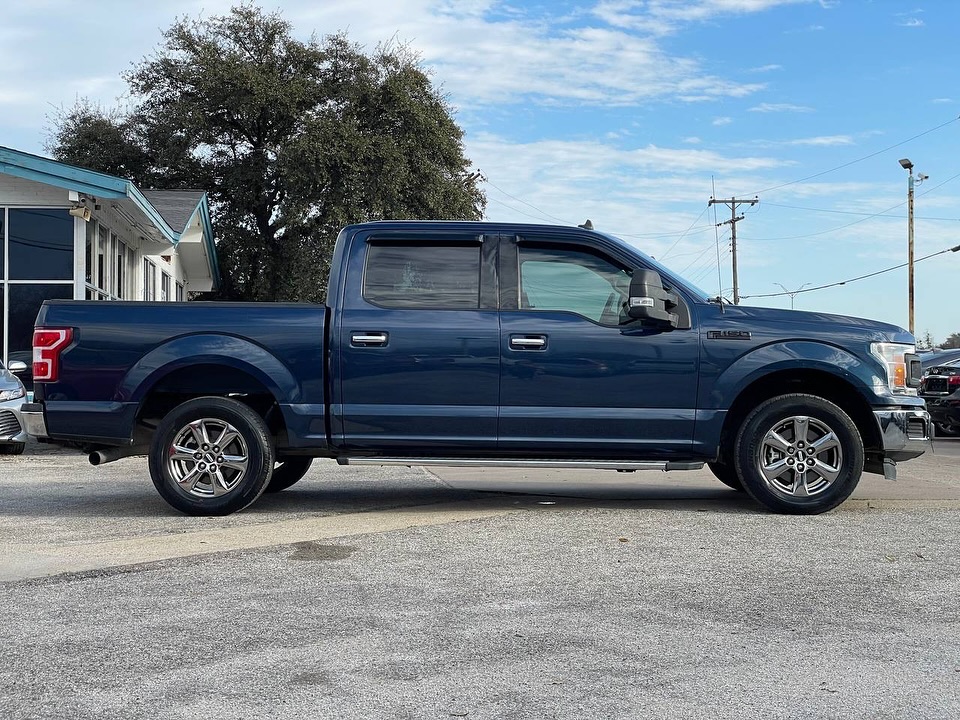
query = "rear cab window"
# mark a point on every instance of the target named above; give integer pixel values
(428, 275)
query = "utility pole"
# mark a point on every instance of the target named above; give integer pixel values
(908, 166)
(733, 204)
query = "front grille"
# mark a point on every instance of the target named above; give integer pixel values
(936, 385)
(9, 424)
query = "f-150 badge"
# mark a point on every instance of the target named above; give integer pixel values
(728, 334)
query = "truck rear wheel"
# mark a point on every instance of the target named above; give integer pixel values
(799, 454)
(211, 456)
(288, 471)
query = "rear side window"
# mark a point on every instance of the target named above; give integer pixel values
(444, 276)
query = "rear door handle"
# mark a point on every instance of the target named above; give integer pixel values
(368, 339)
(528, 342)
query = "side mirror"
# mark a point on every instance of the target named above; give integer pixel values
(16, 366)
(649, 302)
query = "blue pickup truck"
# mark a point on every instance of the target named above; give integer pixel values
(480, 344)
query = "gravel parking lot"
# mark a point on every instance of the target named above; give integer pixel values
(399, 593)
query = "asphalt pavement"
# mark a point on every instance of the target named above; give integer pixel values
(401, 593)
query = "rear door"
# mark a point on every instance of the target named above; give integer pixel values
(418, 342)
(579, 378)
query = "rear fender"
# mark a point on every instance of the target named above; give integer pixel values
(225, 350)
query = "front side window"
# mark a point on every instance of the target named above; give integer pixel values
(565, 279)
(443, 276)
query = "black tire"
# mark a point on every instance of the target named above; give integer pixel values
(785, 429)
(945, 430)
(225, 456)
(727, 474)
(287, 472)
(12, 448)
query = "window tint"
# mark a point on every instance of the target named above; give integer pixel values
(428, 275)
(560, 278)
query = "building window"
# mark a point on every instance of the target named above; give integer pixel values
(40, 244)
(165, 287)
(428, 275)
(36, 248)
(179, 292)
(149, 280)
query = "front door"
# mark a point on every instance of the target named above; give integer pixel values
(579, 377)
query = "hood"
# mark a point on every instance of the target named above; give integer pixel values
(821, 324)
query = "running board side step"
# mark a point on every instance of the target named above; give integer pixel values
(482, 462)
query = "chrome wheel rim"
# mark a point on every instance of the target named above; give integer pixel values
(800, 457)
(208, 458)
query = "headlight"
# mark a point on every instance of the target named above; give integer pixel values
(12, 394)
(893, 357)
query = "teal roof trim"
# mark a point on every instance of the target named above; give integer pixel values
(203, 208)
(58, 174)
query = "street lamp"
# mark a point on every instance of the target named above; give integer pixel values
(792, 293)
(908, 166)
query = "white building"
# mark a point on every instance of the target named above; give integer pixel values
(68, 232)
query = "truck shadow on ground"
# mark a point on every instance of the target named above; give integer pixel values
(137, 498)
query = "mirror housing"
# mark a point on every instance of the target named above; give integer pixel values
(16, 366)
(649, 302)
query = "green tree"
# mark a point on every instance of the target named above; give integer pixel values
(952, 341)
(292, 139)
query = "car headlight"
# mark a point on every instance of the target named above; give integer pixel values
(893, 357)
(12, 394)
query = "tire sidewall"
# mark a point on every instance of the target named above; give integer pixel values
(260, 454)
(766, 416)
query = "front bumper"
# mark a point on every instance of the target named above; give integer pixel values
(11, 422)
(33, 420)
(905, 433)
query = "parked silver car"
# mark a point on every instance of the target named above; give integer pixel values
(13, 435)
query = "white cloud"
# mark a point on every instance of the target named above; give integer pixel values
(692, 140)
(766, 68)
(942, 100)
(824, 140)
(722, 121)
(912, 23)
(780, 107)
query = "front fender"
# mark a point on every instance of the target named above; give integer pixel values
(730, 381)
(209, 349)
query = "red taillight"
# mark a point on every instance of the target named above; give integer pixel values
(953, 380)
(47, 346)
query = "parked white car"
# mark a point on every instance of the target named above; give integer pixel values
(13, 435)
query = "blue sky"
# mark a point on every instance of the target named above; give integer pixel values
(633, 113)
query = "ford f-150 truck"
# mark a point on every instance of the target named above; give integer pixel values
(482, 344)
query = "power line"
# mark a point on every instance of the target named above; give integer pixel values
(851, 212)
(861, 277)
(854, 162)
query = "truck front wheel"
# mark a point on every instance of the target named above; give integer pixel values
(211, 456)
(799, 454)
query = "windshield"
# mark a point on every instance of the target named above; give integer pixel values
(669, 276)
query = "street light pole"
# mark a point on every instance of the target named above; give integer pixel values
(792, 293)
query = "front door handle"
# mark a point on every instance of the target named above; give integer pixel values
(528, 342)
(368, 339)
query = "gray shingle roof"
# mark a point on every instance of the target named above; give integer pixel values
(175, 206)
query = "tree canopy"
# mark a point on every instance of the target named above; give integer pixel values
(292, 139)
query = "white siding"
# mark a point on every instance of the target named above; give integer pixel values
(17, 191)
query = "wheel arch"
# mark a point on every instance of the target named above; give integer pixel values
(809, 381)
(210, 365)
